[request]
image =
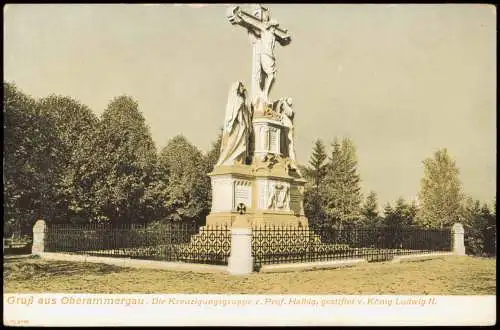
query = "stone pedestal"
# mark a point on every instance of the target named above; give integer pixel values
(271, 196)
(271, 189)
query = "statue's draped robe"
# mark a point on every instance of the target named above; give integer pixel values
(287, 119)
(237, 126)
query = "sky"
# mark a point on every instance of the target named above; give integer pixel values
(401, 81)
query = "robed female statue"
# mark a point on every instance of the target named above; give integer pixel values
(237, 127)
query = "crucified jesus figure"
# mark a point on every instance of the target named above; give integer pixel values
(265, 62)
(263, 32)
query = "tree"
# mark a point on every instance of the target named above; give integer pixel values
(32, 159)
(402, 215)
(188, 196)
(315, 173)
(74, 122)
(369, 210)
(119, 177)
(480, 228)
(411, 212)
(388, 210)
(71, 118)
(342, 184)
(316, 170)
(474, 226)
(440, 191)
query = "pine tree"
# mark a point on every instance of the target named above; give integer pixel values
(333, 186)
(440, 191)
(369, 210)
(412, 213)
(403, 214)
(343, 192)
(353, 196)
(389, 215)
(315, 173)
(317, 164)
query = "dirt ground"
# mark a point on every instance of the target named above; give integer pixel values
(447, 276)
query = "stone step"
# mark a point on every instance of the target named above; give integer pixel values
(204, 242)
(277, 242)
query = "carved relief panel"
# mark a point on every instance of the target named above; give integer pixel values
(278, 196)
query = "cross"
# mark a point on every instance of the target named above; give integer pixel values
(257, 24)
(241, 208)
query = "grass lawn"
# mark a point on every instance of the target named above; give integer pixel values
(446, 276)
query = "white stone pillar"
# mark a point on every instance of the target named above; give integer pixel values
(458, 239)
(39, 232)
(240, 261)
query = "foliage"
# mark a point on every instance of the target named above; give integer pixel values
(188, 190)
(71, 119)
(64, 164)
(480, 228)
(316, 170)
(73, 123)
(369, 211)
(118, 177)
(403, 214)
(314, 194)
(440, 191)
(342, 184)
(32, 161)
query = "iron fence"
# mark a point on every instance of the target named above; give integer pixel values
(272, 245)
(17, 242)
(173, 242)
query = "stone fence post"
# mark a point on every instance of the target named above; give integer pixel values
(39, 232)
(458, 239)
(240, 261)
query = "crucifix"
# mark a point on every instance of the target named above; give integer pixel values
(263, 32)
